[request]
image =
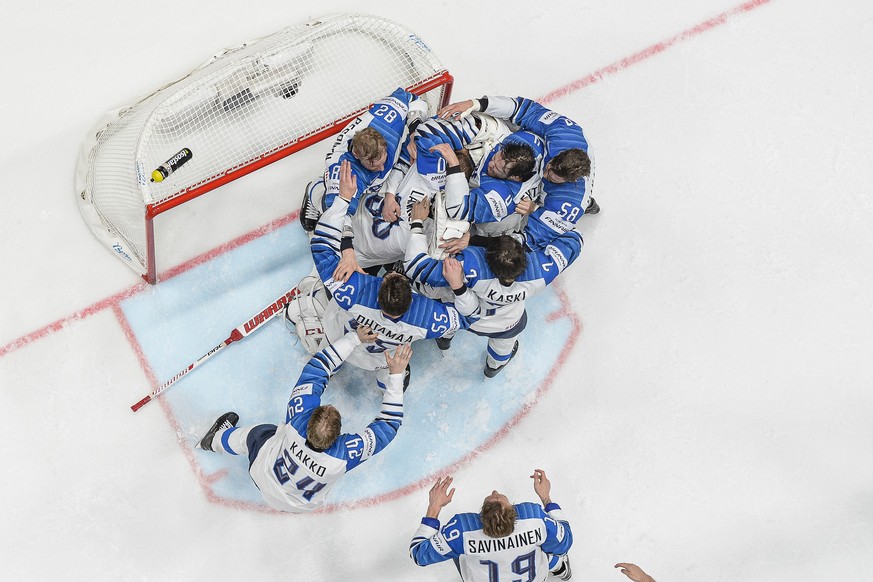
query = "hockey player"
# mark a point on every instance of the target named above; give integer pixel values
(296, 464)
(502, 542)
(502, 276)
(385, 304)
(564, 198)
(372, 143)
(379, 241)
(508, 167)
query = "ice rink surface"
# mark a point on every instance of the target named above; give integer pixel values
(710, 419)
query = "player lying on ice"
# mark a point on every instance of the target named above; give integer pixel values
(296, 464)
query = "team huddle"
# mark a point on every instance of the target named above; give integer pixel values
(421, 228)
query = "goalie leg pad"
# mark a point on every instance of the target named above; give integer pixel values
(305, 313)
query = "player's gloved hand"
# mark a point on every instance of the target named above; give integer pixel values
(365, 334)
(459, 110)
(390, 208)
(347, 265)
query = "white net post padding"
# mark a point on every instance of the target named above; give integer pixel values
(245, 108)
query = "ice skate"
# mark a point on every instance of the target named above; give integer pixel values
(562, 572)
(593, 207)
(444, 343)
(491, 372)
(223, 422)
(309, 215)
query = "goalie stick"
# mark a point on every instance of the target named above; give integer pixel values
(238, 333)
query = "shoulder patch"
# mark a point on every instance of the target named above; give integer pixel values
(557, 256)
(302, 390)
(496, 204)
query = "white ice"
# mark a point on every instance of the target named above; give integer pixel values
(712, 421)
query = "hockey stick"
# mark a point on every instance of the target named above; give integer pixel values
(238, 333)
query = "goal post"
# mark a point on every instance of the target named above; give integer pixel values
(246, 107)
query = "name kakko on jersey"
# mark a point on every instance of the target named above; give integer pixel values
(305, 460)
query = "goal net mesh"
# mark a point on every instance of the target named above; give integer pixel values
(247, 103)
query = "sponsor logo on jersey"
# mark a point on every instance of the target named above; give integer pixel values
(369, 443)
(497, 204)
(454, 318)
(394, 102)
(440, 544)
(557, 256)
(549, 118)
(302, 390)
(554, 221)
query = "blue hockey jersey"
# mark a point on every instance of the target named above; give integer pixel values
(501, 306)
(559, 132)
(562, 207)
(562, 204)
(425, 318)
(388, 116)
(490, 199)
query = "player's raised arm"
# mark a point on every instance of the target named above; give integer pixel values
(428, 545)
(327, 241)
(458, 110)
(384, 427)
(439, 497)
(320, 368)
(348, 262)
(559, 537)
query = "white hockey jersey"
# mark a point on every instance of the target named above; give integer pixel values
(501, 306)
(296, 478)
(355, 302)
(522, 555)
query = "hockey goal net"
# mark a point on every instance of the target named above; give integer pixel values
(246, 107)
